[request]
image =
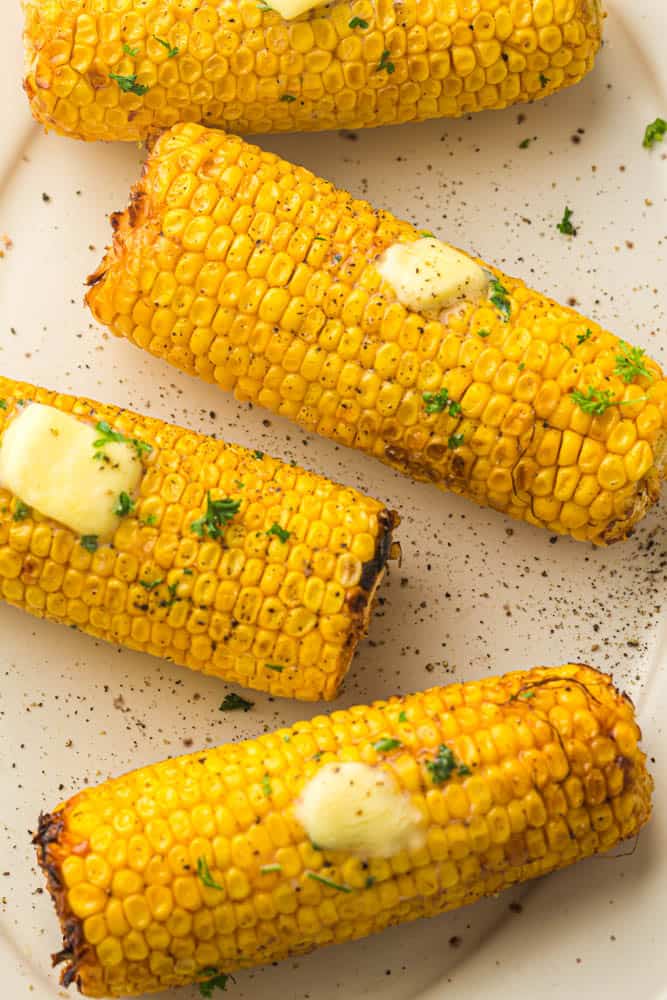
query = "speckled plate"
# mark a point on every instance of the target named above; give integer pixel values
(475, 593)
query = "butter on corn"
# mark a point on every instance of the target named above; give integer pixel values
(218, 558)
(427, 274)
(124, 70)
(251, 272)
(199, 866)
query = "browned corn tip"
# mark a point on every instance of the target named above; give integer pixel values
(281, 616)
(349, 65)
(553, 773)
(253, 273)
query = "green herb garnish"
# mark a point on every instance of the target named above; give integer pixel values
(402, 717)
(151, 584)
(3, 404)
(565, 225)
(218, 981)
(258, 454)
(544, 80)
(499, 297)
(583, 337)
(233, 702)
(427, 234)
(436, 402)
(218, 514)
(266, 786)
(89, 542)
(204, 873)
(327, 881)
(129, 51)
(386, 744)
(444, 764)
(172, 50)
(21, 511)
(521, 365)
(129, 85)
(357, 22)
(524, 144)
(597, 401)
(630, 363)
(150, 520)
(269, 869)
(279, 532)
(274, 666)
(109, 436)
(370, 881)
(483, 333)
(525, 695)
(655, 132)
(385, 62)
(288, 98)
(124, 505)
(455, 441)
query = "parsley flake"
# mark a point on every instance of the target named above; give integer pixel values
(483, 333)
(274, 666)
(266, 786)
(357, 22)
(436, 402)
(129, 85)
(258, 454)
(565, 225)
(524, 144)
(385, 62)
(402, 717)
(172, 50)
(499, 297)
(204, 873)
(544, 80)
(124, 505)
(218, 981)
(269, 869)
(630, 363)
(597, 401)
(655, 132)
(151, 584)
(316, 877)
(288, 98)
(455, 441)
(386, 744)
(89, 542)
(583, 337)
(233, 702)
(444, 765)
(279, 532)
(218, 514)
(109, 436)
(3, 404)
(21, 511)
(426, 234)
(150, 520)
(129, 51)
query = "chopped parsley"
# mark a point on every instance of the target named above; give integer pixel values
(218, 981)
(129, 85)
(385, 62)
(218, 514)
(279, 532)
(124, 505)
(565, 225)
(386, 744)
(597, 401)
(3, 404)
(269, 869)
(357, 22)
(89, 542)
(402, 717)
(21, 511)
(322, 238)
(327, 881)
(499, 297)
(524, 144)
(370, 881)
(274, 666)
(233, 702)
(204, 873)
(172, 50)
(266, 786)
(630, 363)
(526, 695)
(150, 520)
(426, 234)
(454, 441)
(655, 132)
(129, 51)
(583, 337)
(544, 80)
(151, 584)
(483, 333)
(258, 454)
(109, 436)
(288, 98)
(436, 402)
(521, 365)
(444, 765)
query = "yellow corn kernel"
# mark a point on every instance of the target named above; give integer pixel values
(526, 796)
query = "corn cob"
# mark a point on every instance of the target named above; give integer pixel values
(278, 604)
(117, 71)
(184, 870)
(235, 265)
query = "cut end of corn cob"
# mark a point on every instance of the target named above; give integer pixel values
(200, 866)
(237, 266)
(94, 73)
(276, 600)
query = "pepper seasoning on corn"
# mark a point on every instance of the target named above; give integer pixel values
(187, 870)
(121, 71)
(223, 560)
(238, 266)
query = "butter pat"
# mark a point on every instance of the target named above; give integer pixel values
(360, 809)
(428, 274)
(47, 461)
(289, 9)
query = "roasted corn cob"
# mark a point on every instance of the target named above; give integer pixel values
(117, 71)
(189, 869)
(253, 273)
(224, 560)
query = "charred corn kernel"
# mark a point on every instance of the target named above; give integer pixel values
(98, 71)
(159, 586)
(542, 768)
(477, 399)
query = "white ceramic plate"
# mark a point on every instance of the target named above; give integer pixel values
(475, 593)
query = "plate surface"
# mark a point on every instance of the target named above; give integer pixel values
(475, 593)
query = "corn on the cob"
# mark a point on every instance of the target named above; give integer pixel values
(278, 603)
(117, 71)
(253, 273)
(184, 870)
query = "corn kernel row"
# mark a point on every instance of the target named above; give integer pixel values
(553, 773)
(277, 610)
(102, 70)
(253, 273)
